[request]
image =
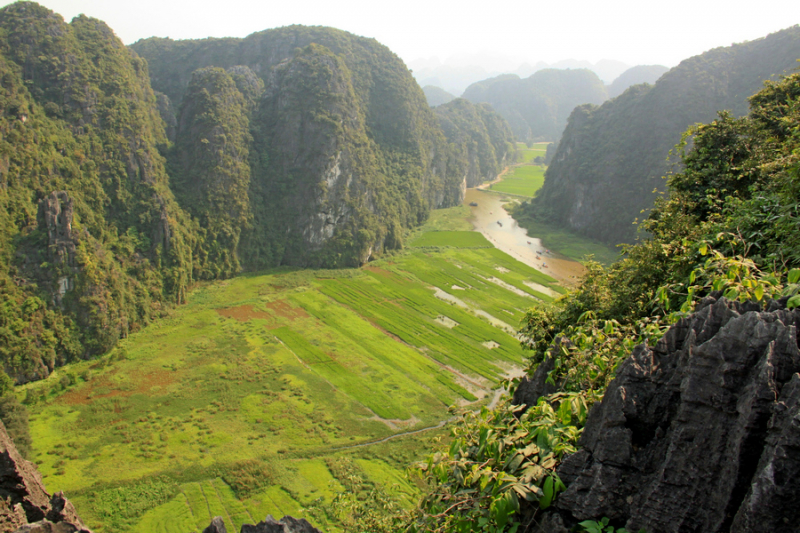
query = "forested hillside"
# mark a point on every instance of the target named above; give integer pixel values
(345, 150)
(612, 157)
(537, 107)
(634, 76)
(481, 142)
(115, 197)
(93, 242)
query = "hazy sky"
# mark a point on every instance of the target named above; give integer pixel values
(635, 32)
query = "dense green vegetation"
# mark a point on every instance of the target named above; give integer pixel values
(727, 227)
(81, 269)
(209, 168)
(612, 158)
(480, 141)
(537, 107)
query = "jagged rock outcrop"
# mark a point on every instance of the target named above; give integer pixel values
(25, 505)
(697, 434)
(287, 524)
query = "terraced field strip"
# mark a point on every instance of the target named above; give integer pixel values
(456, 239)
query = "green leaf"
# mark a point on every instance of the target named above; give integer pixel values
(794, 275)
(565, 412)
(703, 249)
(547, 497)
(759, 292)
(793, 302)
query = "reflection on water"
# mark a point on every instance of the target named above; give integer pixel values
(500, 229)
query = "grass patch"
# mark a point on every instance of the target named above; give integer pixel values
(456, 239)
(527, 155)
(564, 242)
(523, 180)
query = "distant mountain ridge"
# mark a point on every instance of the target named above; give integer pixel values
(537, 107)
(436, 95)
(634, 76)
(611, 157)
(456, 74)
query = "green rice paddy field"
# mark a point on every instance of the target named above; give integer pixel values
(525, 178)
(258, 395)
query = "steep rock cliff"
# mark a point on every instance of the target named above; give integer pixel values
(698, 433)
(389, 141)
(210, 166)
(320, 196)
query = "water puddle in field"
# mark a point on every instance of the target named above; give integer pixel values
(493, 221)
(449, 323)
(447, 297)
(394, 423)
(496, 322)
(509, 287)
(541, 288)
(493, 320)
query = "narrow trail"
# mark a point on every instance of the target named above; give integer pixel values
(395, 436)
(491, 405)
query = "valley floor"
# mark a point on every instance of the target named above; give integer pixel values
(269, 391)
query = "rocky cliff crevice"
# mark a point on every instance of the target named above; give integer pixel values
(25, 505)
(699, 433)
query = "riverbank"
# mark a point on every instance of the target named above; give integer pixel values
(490, 218)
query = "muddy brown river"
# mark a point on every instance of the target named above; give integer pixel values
(493, 221)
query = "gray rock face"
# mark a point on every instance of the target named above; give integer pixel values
(55, 217)
(287, 524)
(217, 525)
(701, 433)
(25, 506)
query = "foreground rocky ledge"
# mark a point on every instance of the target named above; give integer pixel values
(25, 506)
(700, 433)
(287, 524)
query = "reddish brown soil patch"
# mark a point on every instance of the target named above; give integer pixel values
(81, 396)
(243, 313)
(283, 309)
(280, 308)
(379, 271)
